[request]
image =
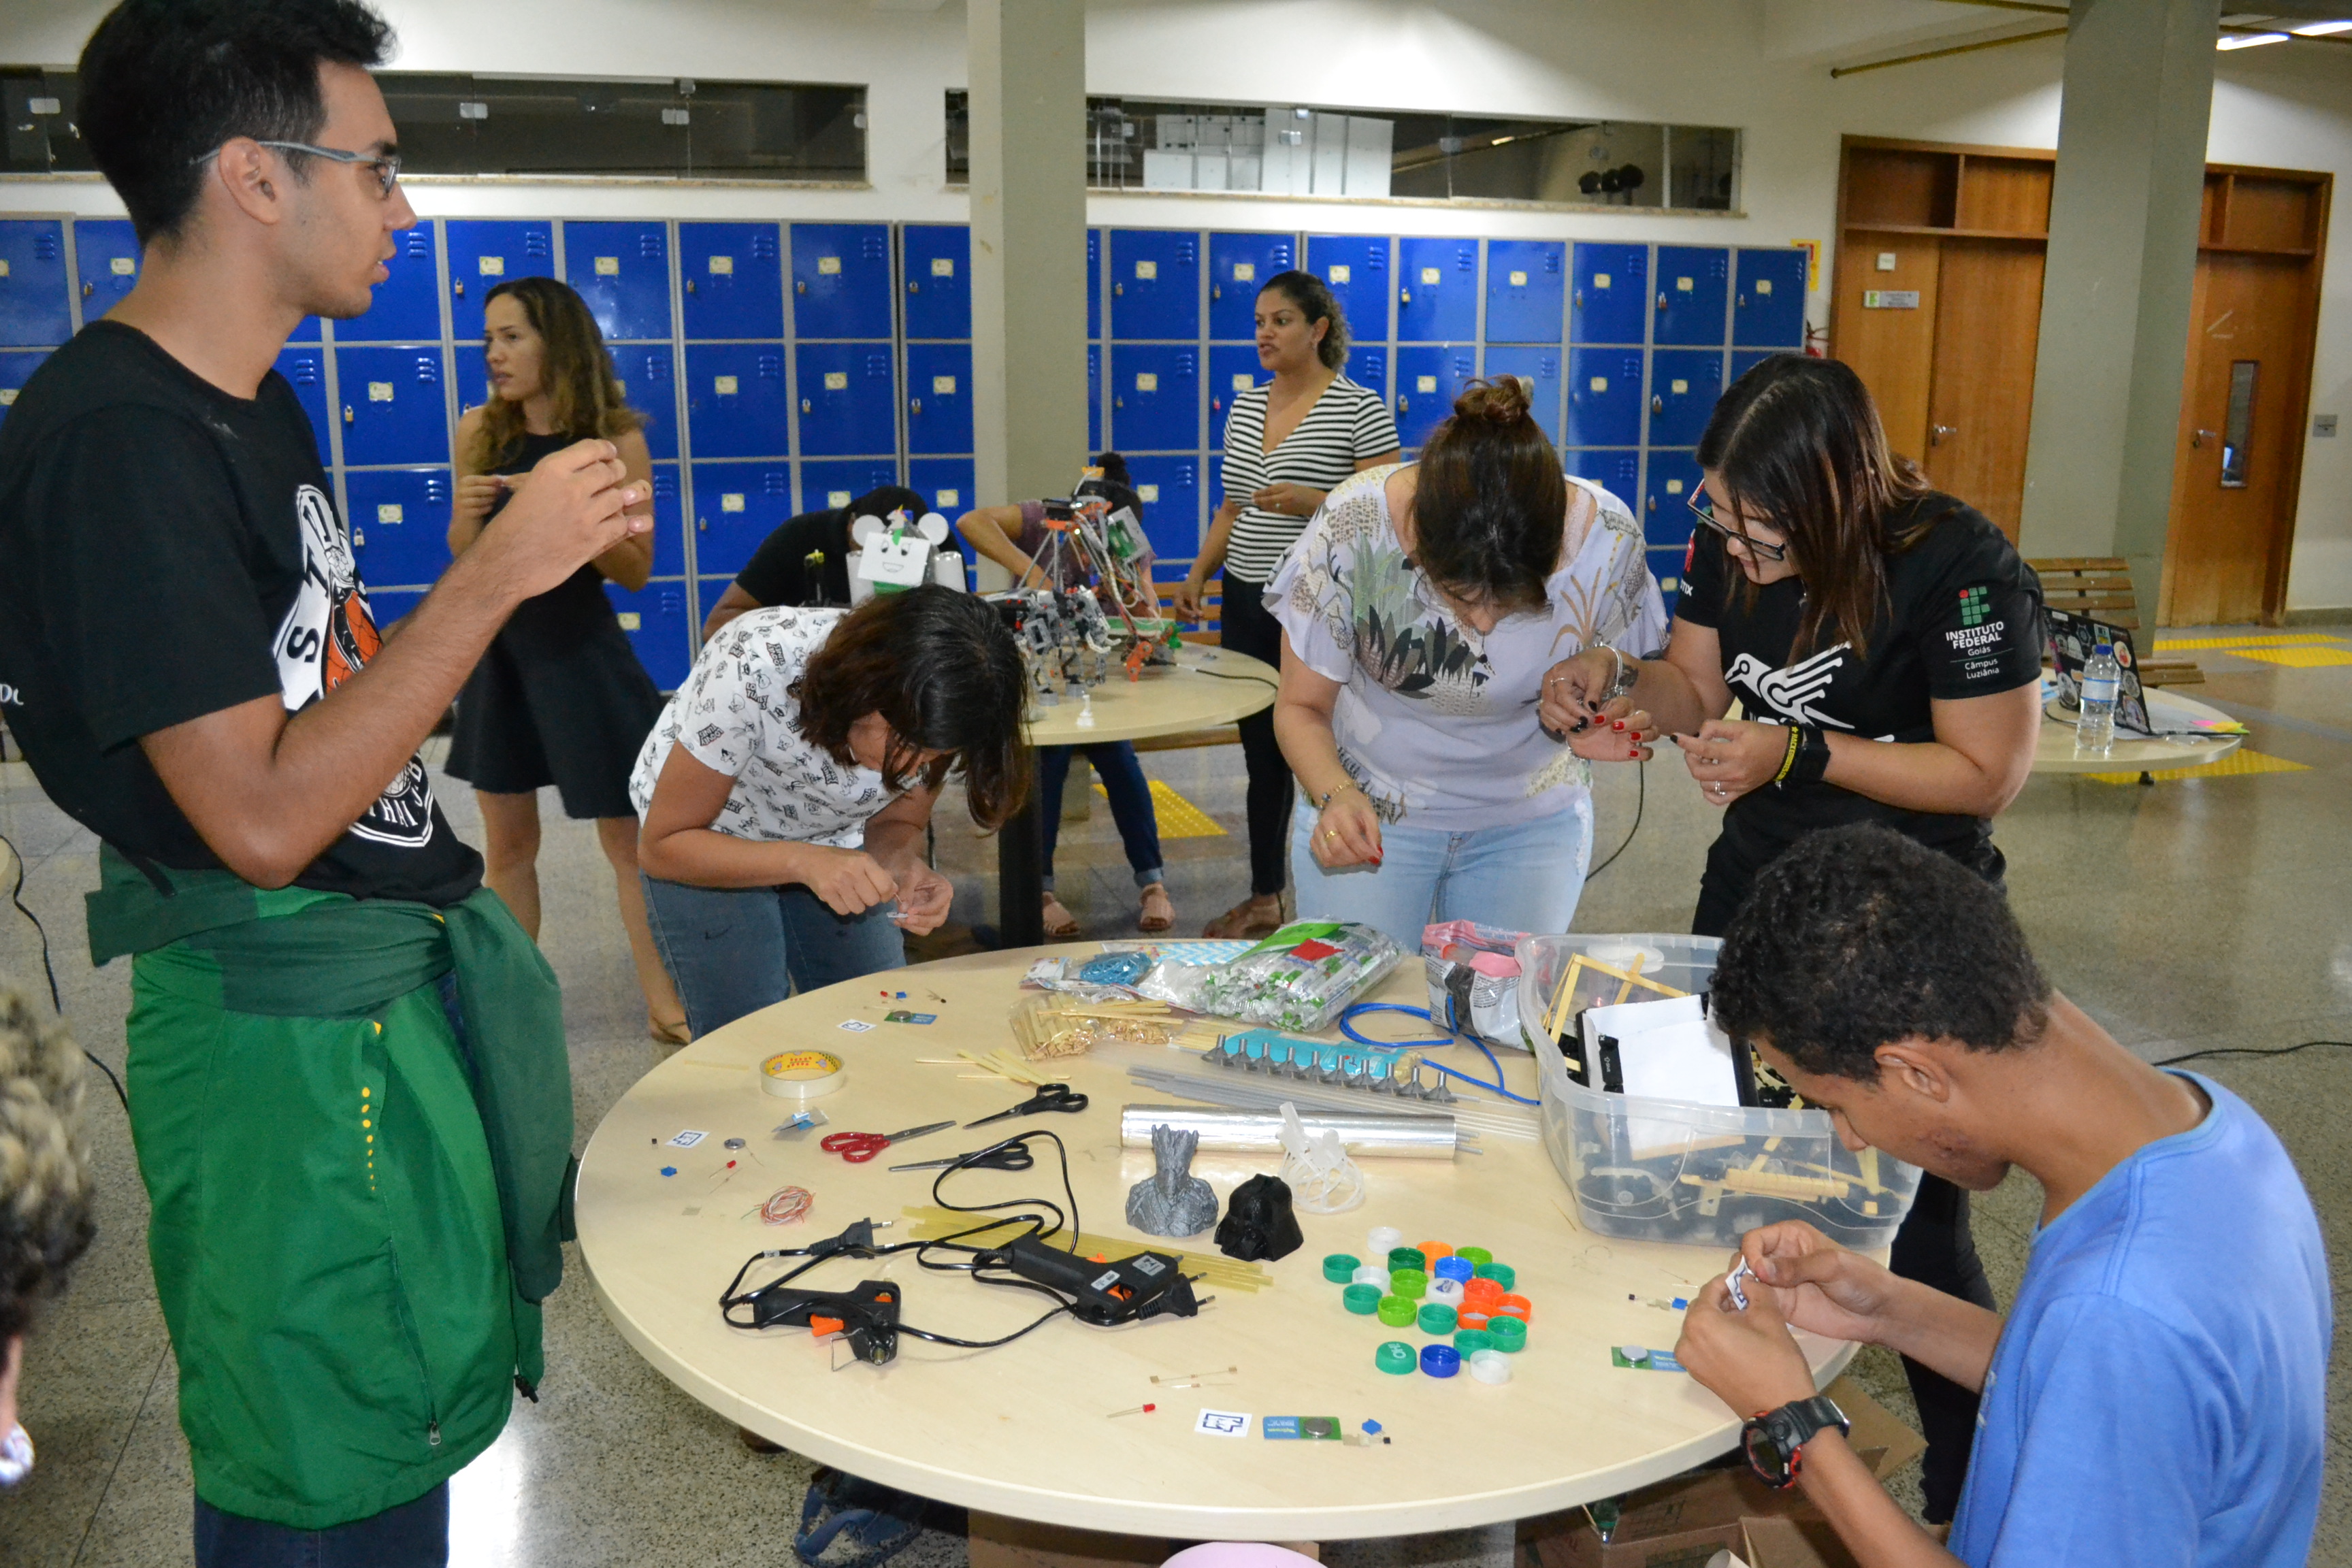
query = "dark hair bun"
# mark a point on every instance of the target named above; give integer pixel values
(1499, 400)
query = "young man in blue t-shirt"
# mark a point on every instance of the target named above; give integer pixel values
(2157, 1394)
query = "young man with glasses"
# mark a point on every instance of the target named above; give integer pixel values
(347, 1082)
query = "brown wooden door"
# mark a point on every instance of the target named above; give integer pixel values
(1980, 397)
(2240, 440)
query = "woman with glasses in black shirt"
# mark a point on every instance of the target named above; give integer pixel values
(1884, 643)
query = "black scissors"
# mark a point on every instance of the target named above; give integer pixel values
(1003, 1157)
(1053, 1097)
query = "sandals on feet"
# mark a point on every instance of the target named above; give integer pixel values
(879, 1520)
(1157, 914)
(669, 1034)
(1060, 924)
(1250, 917)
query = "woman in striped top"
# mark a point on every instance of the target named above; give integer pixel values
(1287, 442)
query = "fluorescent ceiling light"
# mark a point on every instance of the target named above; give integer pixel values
(2321, 29)
(2250, 40)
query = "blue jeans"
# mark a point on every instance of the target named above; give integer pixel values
(733, 951)
(411, 1535)
(1130, 803)
(1524, 877)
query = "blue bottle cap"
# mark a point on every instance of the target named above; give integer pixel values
(1454, 1268)
(1439, 1360)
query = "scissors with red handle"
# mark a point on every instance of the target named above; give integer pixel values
(857, 1148)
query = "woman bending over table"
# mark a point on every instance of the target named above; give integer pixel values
(1422, 612)
(787, 786)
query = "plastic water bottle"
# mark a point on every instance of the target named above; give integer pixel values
(2102, 680)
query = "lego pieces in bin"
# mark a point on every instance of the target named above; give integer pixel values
(1259, 1224)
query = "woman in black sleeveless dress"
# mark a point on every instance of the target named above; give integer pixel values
(560, 699)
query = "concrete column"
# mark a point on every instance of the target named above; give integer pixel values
(2116, 297)
(1028, 246)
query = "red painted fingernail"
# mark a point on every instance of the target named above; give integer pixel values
(1619, 725)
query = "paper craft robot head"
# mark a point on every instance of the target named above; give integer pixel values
(898, 554)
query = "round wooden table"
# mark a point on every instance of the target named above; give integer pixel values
(2054, 748)
(1205, 687)
(1027, 1430)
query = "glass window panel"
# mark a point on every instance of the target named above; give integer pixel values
(2238, 429)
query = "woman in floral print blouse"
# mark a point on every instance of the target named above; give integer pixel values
(1424, 610)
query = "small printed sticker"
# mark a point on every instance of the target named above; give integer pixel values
(855, 1025)
(630, 620)
(1763, 285)
(493, 266)
(1243, 381)
(1678, 386)
(387, 511)
(836, 498)
(1674, 487)
(1339, 274)
(943, 385)
(1600, 384)
(7, 396)
(1222, 1423)
(1310, 1428)
(122, 266)
(688, 1138)
(836, 381)
(608, 266)
(1634, 1358)
(1433, 274)
(3, 269)
(732, 501)
(1147, 381)
(901, 1015)
(942, 265)
(1600, 280)
(722, 266)
(1518, 279)
(1244, 271)
(1148, 494)
(1425, 384)
(725, 385)
(1147, 270)
(1682, 284)
(378, 392)
(950, 498)
(828, 266)
(1890, 298)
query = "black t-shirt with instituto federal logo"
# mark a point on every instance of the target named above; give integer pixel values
(1962, 618)
(168, 551)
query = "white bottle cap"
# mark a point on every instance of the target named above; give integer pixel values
(1372, 1274)
(1490, 1366)
(1384, 1239)
(1449, 1291)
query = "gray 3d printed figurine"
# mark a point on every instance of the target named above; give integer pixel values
(1172, 1200)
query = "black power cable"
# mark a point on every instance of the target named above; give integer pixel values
(1641, 799)
(2247, 1051)
(48, 970)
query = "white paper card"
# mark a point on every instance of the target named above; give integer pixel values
(687, 1140)
(943, 385)
(122, 266)
(855, 1025)
(1339, 274)
(494, 266)
(630, 620)
(1518, 279)
(1243, 381)
(387, 511)
(1148, 494)
(725, 385)
(1674, 487)
(1763, 285)
(828, 266)
(608, 266)
(722, 266)
(1244, 271)
(949, 497)
(836, 498)
(1600, 280)
(1432, 275)
(733, 500)
(1684, 284)
(378, 392)
(1147, 381)
(1222, 1423)
(1147, 269)
(1679, 387)
(1600, 384)
(942, 265)
(836, 381)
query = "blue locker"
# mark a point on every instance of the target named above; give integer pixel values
(1667, 520)
(396, 409)
(654, 619)
(400, 524)
(1239, 266)
(1094, 398)
(106, 255)
(1538, 368)
(15, 369)
(1609, 294)
(1745, 360)
(1232, 370)
(622, 269)
(305, 367)
(1368, 366)
(849, 399)
(1429, 377)
(938, 260)
(408, 302)
(669, 521)
(1768, 305)
(938, 397)
(946, 482)
(736, 505)
(1684, 386)
(1437, 290)
(1604, 398)
(1667, 566)
(1694, 291)
(839, 482)
(737, 404)
(841, 281)
(1094, 285)
(1619, 473)
(36, 307)
(649, 381)
(1155, 398)
(1357, 269)
(1527, 290)
(1155, 284)
(1169, 488)
(487, 252)
(733, 280)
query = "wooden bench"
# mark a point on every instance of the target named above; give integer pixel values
(1206, 634)
(2100, 586)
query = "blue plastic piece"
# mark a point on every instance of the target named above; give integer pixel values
(1439, 1360)
(1452, 1269)
(1371, 1426)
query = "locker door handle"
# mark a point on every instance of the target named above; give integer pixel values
(2198, 437)
(1578, 297)
(358, 539)
(1936, 433)
(460, 287)
(915, 403)
(800, 285)
(1661, 298)
(804, 406)
(1404, 296)
(1653, 503)
(1403, 407)
(87, 289)
(913, 286)
(1119, 289)
(347, 413)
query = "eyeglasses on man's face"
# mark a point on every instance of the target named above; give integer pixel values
(384, 165)
(1702, 507)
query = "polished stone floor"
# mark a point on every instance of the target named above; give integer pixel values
(2189, 915)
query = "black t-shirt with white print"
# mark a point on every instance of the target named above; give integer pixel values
(168, 551)
(1963, 618)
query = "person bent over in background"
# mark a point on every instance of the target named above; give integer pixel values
(45, 1196)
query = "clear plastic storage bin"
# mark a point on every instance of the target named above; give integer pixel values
(1662, 1170)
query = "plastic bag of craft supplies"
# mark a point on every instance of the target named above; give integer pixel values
(1301, 978)
(1474, 980)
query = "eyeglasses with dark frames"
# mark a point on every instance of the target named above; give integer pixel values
(1702, 507)
(386, 165)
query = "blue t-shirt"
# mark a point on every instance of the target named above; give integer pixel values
(2159, 1395)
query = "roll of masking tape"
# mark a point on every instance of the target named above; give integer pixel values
(803, 1075)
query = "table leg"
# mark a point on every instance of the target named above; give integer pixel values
(1021, 875)
(998, 1542)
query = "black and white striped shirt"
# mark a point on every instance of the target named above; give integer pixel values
(1348, 423)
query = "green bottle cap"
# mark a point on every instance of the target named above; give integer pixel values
(1470, 1341)
(1410, 1283)
(1406, 1258)
(1395, 1356)
(1437, 1318)
(1341, 1268)
(1502, 1274)
(1398, 1312)
(1361, 1299)
(1509, 1334)
(1474, 1254)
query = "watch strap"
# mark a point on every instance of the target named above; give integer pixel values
(1791, 1428)
(1810, 759)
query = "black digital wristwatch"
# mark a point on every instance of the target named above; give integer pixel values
(1775, 1440)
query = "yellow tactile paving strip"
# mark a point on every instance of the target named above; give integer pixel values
(2239, 761)
(1178, 817)
(2296, 658)
(2281, 639)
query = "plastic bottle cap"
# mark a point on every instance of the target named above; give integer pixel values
(1410, 1283)
(1372, 1274)
(1398, 1312)
(1476, 1254)
(1439, 1360)
(1491, 1366)
(1509, 1334)
(1515, 1306)
(1480, 1293)
(1361, 1299)
(1433, 1250)
(1446, 1290)
(1394, 1356)
(1340, 1266)
(1407, 1258)
(1470, 1318)
(1437, 1319)
(1384, 1239)
(1452, 1267)
(1470, 1341)
(1502, 1274)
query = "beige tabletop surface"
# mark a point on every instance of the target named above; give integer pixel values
(2055, 749)
(1207, 687)
(1026, 1429)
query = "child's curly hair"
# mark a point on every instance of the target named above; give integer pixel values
(45, 1183)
